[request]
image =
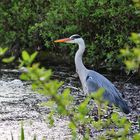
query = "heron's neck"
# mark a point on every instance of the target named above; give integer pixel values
(78, 58)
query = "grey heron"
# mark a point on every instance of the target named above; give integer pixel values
(91, 80)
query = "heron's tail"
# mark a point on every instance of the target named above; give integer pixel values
(123, 105)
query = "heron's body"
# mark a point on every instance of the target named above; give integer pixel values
(92, 80)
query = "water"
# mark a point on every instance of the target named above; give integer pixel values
(19, 103)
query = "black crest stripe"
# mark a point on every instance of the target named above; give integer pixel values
(75, 36)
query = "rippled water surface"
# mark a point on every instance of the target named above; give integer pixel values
(18, 102)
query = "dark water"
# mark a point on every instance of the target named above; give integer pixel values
(18, 102)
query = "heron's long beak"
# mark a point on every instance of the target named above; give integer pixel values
(63, 40)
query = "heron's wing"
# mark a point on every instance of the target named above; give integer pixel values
(94, 81)
(100, 81)
(93, 85)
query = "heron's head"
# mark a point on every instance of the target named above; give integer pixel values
(72, 39)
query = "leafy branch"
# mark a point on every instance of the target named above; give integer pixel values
(80, 120)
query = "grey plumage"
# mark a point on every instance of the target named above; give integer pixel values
(92, 80)
(95, 81)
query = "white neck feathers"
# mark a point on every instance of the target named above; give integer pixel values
(78, 57)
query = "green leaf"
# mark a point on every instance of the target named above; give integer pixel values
(3, 51)
(98, 95)
(139, 123)
(34, 137)
(83, 106)
(72, 126)
(51, 119)
(22, 132)
(136, 136)
(115, 117)
(97, 124)
(25, 56)
(123, 120)
(24, 76)
(48, 103)
(33, 56)
(131, 64)
(8, 60)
